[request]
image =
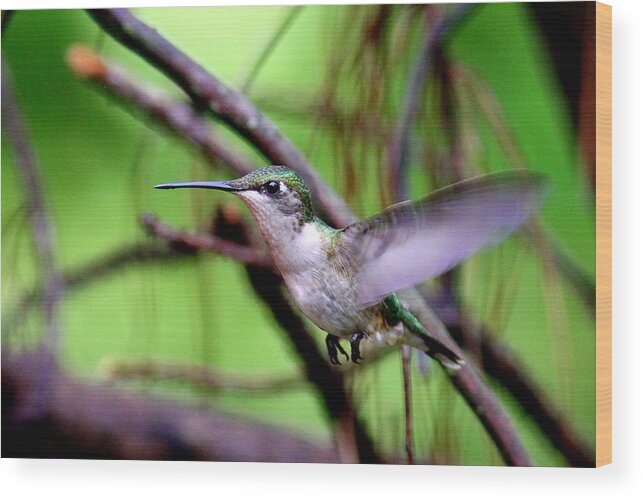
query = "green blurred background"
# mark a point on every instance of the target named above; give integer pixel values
(99, 163)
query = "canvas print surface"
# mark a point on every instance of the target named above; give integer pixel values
(328, 234)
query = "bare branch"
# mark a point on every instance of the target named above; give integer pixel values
(35, 197)
(92, 420)
(177, 117)
(208, 242)
(485, 404)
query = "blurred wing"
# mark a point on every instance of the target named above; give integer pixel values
(413, 241)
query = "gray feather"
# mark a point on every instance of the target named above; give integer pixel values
(413, 241)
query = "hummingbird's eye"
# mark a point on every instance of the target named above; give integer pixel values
(272, 187)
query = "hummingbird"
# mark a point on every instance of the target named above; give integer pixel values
(345, 280)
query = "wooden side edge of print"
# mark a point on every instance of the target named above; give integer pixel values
(603, 234)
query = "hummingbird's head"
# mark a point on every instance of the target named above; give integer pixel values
(277, 196)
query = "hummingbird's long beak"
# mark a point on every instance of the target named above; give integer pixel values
(220, 186)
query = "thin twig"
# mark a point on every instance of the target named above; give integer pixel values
(293, 13)
(492, 110)
(204, 377)
(213, 379)
(207, 242)
(408, 416)
(435, 39)
(545, 244)
(222, 102)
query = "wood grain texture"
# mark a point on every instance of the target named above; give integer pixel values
(603, 234)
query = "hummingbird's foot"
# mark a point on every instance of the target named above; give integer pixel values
(332, 345)
(356, 356)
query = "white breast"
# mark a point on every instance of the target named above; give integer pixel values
(304, 250)
(302, 264)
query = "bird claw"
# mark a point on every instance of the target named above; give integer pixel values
(333, 345)
(356, 356)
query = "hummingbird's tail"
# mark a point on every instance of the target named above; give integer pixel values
(422, 327)
(443, 354)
